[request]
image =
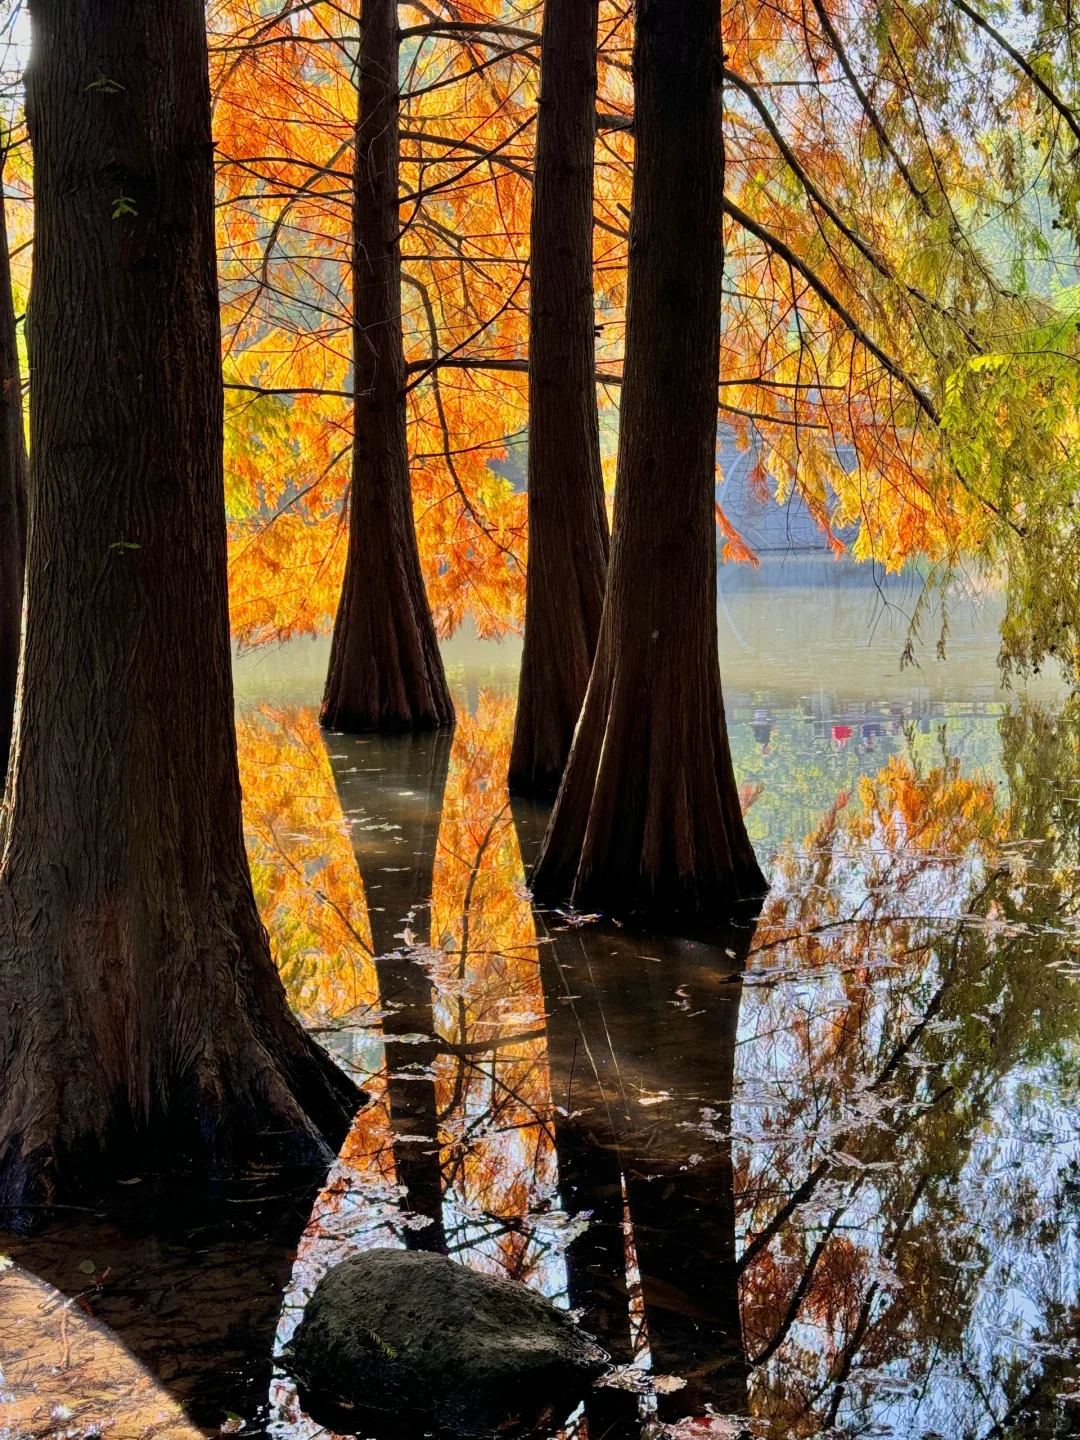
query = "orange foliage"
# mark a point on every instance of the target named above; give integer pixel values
(284, 113)
(827, 359)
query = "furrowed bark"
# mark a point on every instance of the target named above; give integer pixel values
(12, 498)
(385, 672)
(143, 1025)
(647, 819)
(568, 540)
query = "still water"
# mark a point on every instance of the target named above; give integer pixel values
(820, 1176)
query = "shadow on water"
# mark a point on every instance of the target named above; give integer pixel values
(817, 1175)
(147, 1316)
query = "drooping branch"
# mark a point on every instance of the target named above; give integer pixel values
(774, 243)
(1065, 111)
(822, 201)
(867, 104)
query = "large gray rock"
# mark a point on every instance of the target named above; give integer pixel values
(408, 1343)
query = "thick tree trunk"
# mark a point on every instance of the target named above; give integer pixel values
(142, 1021)
(568, 540)
(12, 498)
(392, 792)
(386, 672)
(647, 819)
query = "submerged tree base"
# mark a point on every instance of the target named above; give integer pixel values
(198, 1084)
(648, 822)
(386, 673)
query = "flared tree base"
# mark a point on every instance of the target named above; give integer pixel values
(648, 824)
(386, 673)
(210, 1080)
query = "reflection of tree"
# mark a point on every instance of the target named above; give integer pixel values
(391, 791)
(637, 1045)
(306, 882)
(494, 1089)
(867, 1182)
(903, 981)
(460, 1118)
(657, 1044)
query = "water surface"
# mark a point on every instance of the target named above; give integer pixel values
(818, 1174)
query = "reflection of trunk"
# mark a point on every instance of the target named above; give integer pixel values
(143, 1024)
(12, 497)
(567, 517)
(399, 783)
(648, 815)
(637, 1042)
(636, 1030)
(590, 1174)
(683, 1212)
(590, 1180)
(386, 672)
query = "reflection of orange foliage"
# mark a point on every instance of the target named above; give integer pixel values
(478, 897)
(943, 811)
(307, 883)
(492, 1088)
(868, 894)
(368, 1151)
(311, 898)
(488, 990)
(910, 832)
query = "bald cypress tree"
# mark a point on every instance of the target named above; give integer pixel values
(143, 1024)
(648, 819)
(568, 539)
(385, 672)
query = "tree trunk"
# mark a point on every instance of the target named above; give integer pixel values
(568, 540)
(12, 498)
(143, 1025)
(393, 794)
(647, 820)
(386, 672)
